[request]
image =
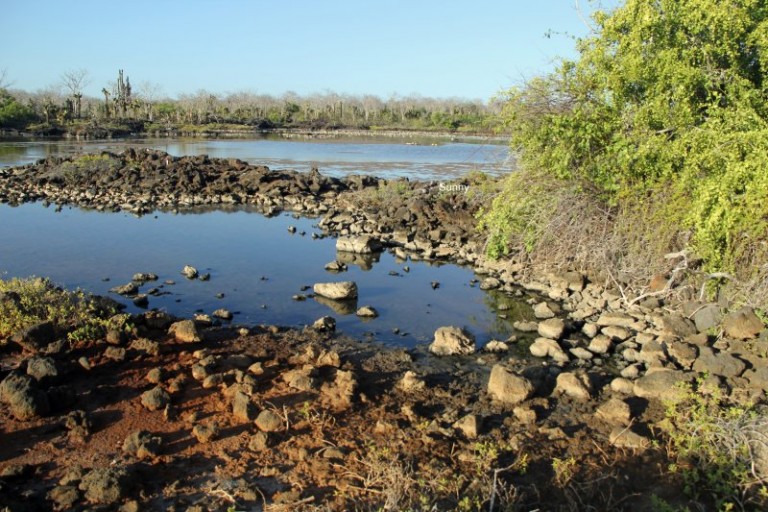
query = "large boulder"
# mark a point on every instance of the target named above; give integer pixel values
(358, 244)
(507, 387)
(663, 385)
(343, 290)
(452, 341)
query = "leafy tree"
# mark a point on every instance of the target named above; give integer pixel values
(667, 98)
(12, 113)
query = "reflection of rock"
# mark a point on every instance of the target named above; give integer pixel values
(364, 261)
(341, 307)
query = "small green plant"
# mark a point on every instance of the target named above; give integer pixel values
(716, 445)
(35, 300)
(564, 470)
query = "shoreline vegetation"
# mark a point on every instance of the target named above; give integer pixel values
(125, 111)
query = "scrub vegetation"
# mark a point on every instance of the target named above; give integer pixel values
(652, 141)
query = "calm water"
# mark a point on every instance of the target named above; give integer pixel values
(254, 261)
(384, 158)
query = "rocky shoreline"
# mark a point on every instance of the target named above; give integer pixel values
(591, 389)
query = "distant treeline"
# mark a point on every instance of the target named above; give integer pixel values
(66, 109)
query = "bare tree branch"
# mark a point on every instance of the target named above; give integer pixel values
(75, 80)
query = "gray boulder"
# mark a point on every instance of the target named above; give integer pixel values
(35, 337)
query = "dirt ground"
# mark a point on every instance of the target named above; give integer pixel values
(346, 431)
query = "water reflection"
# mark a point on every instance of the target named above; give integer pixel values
(340, 307)
(256, 269)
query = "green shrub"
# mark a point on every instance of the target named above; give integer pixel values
(31, 301)
(721, 450)
(666, 100)
(88, 165)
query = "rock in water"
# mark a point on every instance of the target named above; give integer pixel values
(452, 341)
(189, 272)
(342, 290)
(367, 312)
(359, 245)
(222, 313)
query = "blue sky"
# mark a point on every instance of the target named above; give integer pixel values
(449, 48)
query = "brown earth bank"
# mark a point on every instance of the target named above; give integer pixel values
(571, 413)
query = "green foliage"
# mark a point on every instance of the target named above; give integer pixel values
(88, 165)
(37, 300)
(388, 192)
(13, 114)
(717, 446)
(666, 96)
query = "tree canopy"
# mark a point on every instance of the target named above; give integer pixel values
(667, 96)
